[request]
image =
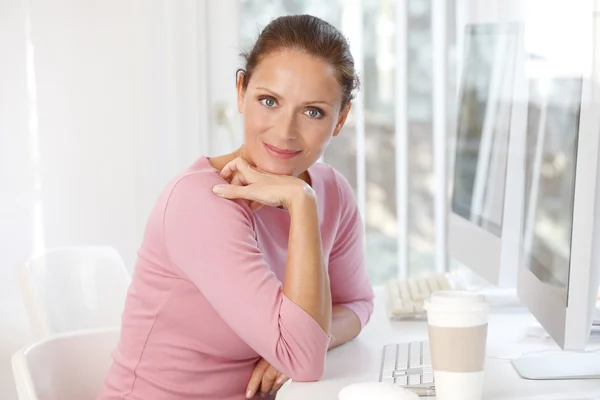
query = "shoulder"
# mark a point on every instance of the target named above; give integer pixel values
(198, 182)
(333, 185)
(191, 192)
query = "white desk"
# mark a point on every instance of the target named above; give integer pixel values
(360, 360)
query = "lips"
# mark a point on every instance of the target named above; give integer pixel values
(281, 153)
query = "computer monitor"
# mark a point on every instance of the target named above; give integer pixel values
(483, 226)
(559, 269)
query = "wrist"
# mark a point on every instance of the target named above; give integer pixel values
(301, 197)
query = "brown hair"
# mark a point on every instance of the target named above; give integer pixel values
(311, 35)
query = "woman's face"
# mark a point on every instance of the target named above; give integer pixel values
(291, 109)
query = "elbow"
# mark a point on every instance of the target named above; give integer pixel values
(363, 309)
(311, 372)
(301, 348)
(303, 362)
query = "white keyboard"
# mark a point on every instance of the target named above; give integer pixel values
(408, 365)
(405, 298)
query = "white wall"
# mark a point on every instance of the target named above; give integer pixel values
(118, 104)
(15, 204)
(223, 53)
(121, 107)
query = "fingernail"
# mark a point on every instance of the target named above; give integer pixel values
(248, 394)
(271, 393)
(280, 380)
(218, 189)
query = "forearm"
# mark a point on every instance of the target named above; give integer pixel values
(345, 326)
(306, 281)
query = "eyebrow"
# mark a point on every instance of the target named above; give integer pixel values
(305, 103)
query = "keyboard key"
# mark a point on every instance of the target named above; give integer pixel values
(387, 375)
(444, 283)
(415, 354)
(427, 377)
(424, 286)
(414, 379)
(409, 361)
(406, 297)
(404, 290)
(403, 309)
(401, 380)
(415, 291)
(389, 358)
(402, 357)
(426, 350)
(433, 283)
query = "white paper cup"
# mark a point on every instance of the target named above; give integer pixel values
(457, 324)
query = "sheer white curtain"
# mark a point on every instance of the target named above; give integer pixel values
(101, 102)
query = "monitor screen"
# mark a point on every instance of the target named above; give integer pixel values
(483, 127)
(552, 132)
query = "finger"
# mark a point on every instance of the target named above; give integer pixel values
(232, 167)
(268, 380)
(247, 193)
(238, 165)
(238, 180)
(229, 169)
(281, 379)
(234, 192)
(242, 178)
(256, 378)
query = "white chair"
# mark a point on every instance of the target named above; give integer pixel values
(74, 288)
(68, 366)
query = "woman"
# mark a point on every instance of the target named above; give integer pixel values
(252, 263)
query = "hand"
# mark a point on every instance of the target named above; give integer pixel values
(249, 183)
(266, 378)
(236, 179)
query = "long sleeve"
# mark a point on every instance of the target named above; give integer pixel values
(212, 242)
(350, 284)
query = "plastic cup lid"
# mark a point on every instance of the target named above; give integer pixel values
(457, 299)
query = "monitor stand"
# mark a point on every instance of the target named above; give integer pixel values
(555, 365)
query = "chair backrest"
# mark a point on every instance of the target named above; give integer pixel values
(68, 366)
(73, 288)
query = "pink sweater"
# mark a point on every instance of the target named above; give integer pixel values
(206, 300)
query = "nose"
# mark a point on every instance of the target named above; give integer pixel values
(287, 126)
